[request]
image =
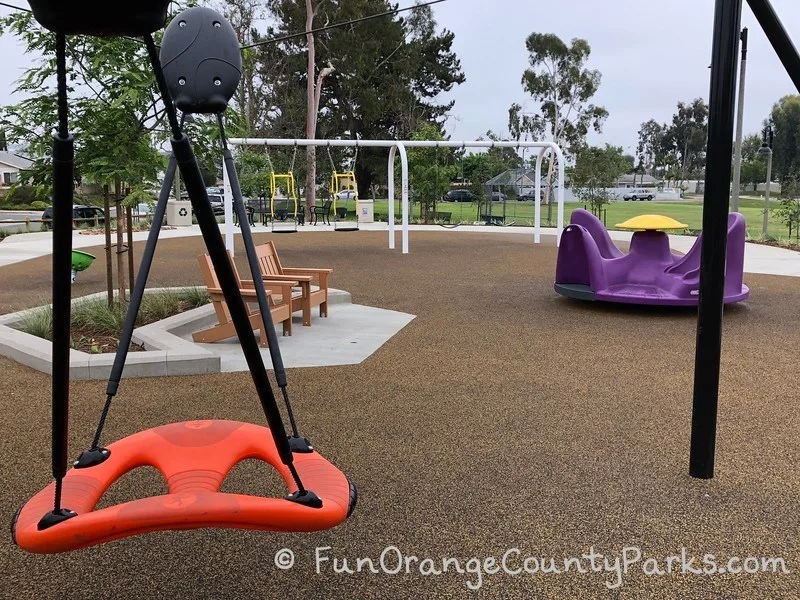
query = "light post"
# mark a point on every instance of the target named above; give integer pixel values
(737, 160)
(766, 150)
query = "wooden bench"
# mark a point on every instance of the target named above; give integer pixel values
(493, 219)
(272, 270)
(281, 312)
(444, 216)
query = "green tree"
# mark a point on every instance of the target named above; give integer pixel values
(596, 169)
(253, 169)
(785, 121)
(653, 150)
(116, 112)
(480, 167)
(754, 171)
(560, 81)
(430, 171)
(788, 210)
(751, 143)
(687, 137)
(387, 79)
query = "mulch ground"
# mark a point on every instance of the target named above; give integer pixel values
(502, 417)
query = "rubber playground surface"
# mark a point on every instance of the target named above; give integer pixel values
(503, 421)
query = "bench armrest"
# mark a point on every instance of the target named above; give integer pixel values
(294, 278)
(305, 271)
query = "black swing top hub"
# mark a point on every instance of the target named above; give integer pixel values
(201, 60)
(100, 18)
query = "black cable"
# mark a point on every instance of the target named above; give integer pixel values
(269, 328)
(343, 24)
(15, 7)
(101, 423)
(296, 478)
(302, 33)
(289, 410)
(172, 114)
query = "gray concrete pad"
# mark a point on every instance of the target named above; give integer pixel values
(348, 336)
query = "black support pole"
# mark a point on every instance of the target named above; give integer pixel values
(727, 25)
(63, 162)
(780, 40)
(141, 280)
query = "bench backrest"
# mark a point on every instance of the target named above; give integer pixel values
(268, 260)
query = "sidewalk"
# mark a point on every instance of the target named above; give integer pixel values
(759, 258)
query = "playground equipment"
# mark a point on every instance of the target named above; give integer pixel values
(400, 146)
(343, 188)
(283, 208)
(591, 267)
(343, 184)
(199, 48)
(80, 262)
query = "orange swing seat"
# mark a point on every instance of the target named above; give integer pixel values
(194, 457)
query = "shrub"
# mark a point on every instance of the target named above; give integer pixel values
(195, 297)
(95, 317)
(20, 195)
(38, 205)
(38, 322)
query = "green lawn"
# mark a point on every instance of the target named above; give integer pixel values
(689, 212)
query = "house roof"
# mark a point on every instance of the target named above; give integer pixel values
(641, 179)
(14, 160)
(518, 177)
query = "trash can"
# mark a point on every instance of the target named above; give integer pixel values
(179, 213)
(366, 212)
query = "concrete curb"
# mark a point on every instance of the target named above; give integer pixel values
(166, 353)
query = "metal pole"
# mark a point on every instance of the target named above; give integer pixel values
(402, 145)
(737, 160)
(780, 40)
(727, 24)
(403, 195)
(390, 174)
(766, 195)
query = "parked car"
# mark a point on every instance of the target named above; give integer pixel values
(529, 195)
(80, 214)
(346, 195)
(638, 194)
(498, 197)
(217, 202)
(459, 196)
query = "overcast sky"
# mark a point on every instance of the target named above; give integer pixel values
(651, 53)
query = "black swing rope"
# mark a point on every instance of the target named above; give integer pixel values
(269, 327)
(435, 220)
(63, 153)
(182, 155)
(227, 279)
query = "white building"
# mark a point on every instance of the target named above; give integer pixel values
(10, 167)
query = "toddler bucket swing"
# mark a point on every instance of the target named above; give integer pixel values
(199, 48)
(343, 183)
